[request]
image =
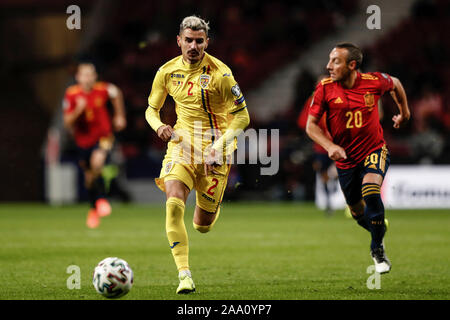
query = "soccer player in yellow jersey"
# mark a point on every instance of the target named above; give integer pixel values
(211, 112)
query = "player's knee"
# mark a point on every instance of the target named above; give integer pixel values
(357, 210)
(202, 229)
(203, 220)
(357, 216)
(88, 179)
(96, 169)
(174, 212)
(97, 160)
(176, 189)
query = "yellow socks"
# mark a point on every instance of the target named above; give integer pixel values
(176, 232)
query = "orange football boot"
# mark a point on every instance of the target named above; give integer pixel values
(103, 207)
(93, 219)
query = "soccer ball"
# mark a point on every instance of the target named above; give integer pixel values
(113, 278)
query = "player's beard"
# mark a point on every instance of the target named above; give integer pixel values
(344, 75)
(193, 56)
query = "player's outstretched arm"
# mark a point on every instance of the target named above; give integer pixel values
(314, 131)
(399, 96)
(156, 100)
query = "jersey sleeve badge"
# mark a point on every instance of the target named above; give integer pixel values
(236, 91)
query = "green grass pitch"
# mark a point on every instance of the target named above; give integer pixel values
(267, 251)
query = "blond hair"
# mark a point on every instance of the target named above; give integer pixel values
(195, 23)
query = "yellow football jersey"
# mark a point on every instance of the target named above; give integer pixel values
(205, 94)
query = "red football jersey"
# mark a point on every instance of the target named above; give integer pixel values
(95, 122)
(352, 114)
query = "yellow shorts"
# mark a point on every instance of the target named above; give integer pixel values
(209, 188)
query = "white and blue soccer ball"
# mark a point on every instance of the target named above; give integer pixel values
(113, 277)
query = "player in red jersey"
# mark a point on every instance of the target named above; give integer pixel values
(350, 100)
(86, 116)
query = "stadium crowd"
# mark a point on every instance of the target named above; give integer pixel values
(130, 53)
(254, 38)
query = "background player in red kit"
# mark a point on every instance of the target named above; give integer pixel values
(322, 164)
(350, 100)
(87, 117)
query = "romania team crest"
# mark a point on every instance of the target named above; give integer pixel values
(204, 80)
(369, 100)
(168, 167)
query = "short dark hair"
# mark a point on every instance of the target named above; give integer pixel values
(354, 52)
